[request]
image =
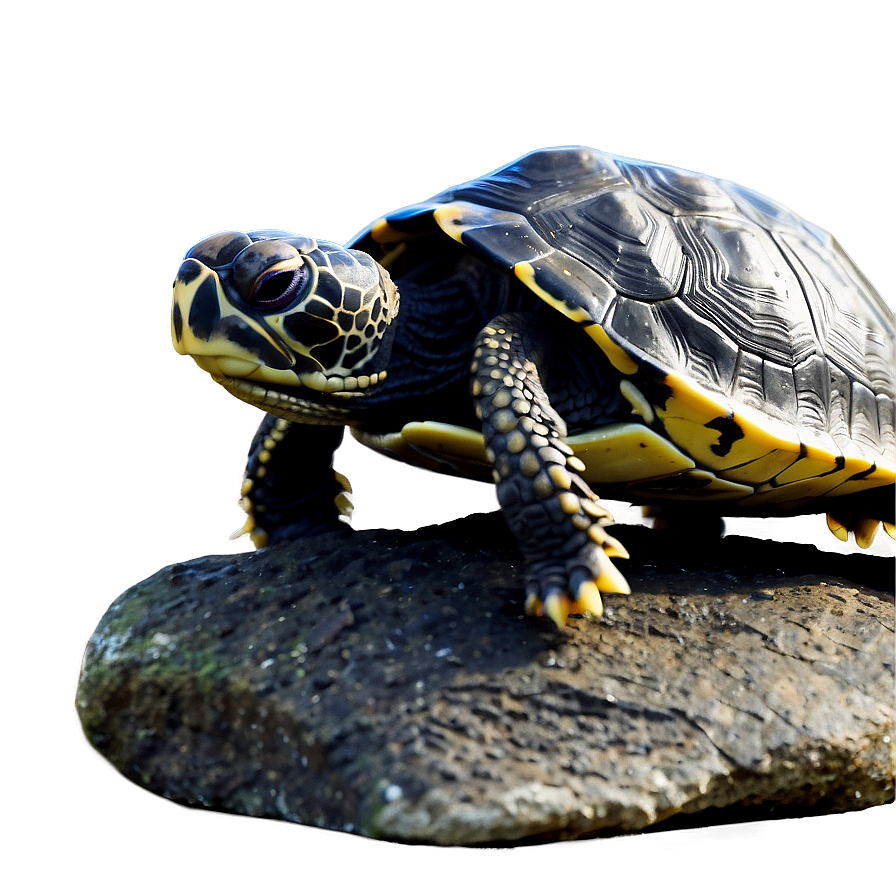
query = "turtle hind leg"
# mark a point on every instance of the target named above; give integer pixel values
(551, 510)
(290, 489)
(862, 513)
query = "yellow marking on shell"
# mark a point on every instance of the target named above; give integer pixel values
(640, 405)
(616, 355)
(526, 273)
(270, 443)
(559, 476)
(516, 442)
(763, 469)
(689, 410)
(246, 487)
(457, 217)
(627, 452)
(878, 476)
(384, 232)
(799, 464)
(704, 486)
(816, 464)
(833, 484)
(455, 441)
(430, 445)
(264, 456)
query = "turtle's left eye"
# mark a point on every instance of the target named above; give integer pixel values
(277, 289)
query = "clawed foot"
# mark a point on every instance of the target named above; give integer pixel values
(559, 588)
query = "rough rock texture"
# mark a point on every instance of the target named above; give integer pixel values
(387, 683)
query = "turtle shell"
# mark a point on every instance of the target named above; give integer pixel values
(757, 356)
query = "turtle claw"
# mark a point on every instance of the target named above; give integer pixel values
(865, 530)
(614, 548)
(588, 600)
(555, 605)
(558, 607)
(246, 529)
(609, 579)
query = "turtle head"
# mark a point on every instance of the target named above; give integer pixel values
(282, 310)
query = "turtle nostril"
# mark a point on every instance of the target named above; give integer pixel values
(276, 290)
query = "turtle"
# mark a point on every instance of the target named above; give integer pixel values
(572, 323)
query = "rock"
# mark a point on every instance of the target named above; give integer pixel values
(387, 683)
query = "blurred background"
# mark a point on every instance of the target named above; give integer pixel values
(133, 132)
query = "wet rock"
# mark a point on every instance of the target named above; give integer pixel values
(388, 683)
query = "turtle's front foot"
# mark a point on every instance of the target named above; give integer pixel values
(564, 584)
(290, 489)
(550, 509)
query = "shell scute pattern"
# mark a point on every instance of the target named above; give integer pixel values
(632, 245)
(771, 215)
(693, 276)
(550, 178)
(677, 192)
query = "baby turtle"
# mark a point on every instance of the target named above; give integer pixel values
(571, 320)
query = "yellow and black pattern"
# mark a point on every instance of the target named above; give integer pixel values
(281, 309)
(761, 352)
(642, 330)
(550, 509)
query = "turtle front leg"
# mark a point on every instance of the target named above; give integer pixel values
(550, 509)
(290, 489)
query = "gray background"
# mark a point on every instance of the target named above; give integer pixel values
(135, 131)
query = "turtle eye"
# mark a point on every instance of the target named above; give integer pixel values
(276, 289)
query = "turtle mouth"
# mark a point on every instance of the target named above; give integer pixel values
(319, 398)
(287, 382)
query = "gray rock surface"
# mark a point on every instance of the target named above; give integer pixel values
(388, 684)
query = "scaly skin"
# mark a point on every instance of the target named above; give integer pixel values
(300, 497)
(550, 509)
